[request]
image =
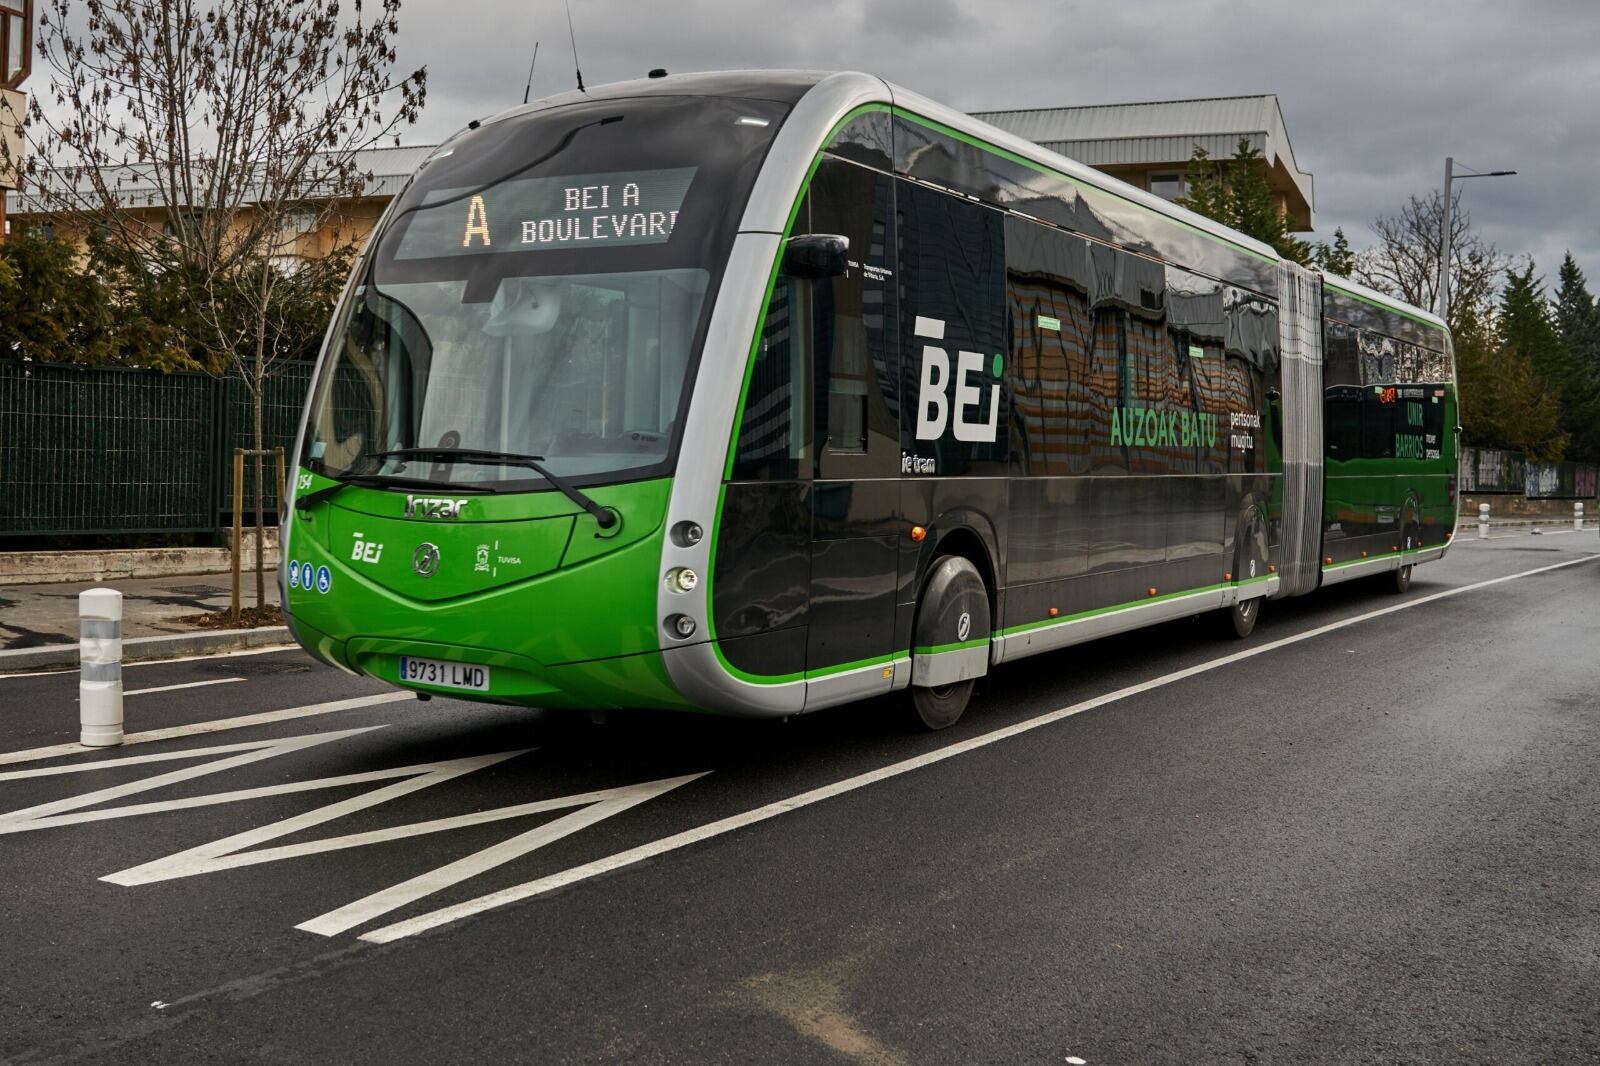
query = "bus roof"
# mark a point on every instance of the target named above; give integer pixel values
(792, 86)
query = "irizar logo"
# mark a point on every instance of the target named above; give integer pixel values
(433, 507)
(933, 404)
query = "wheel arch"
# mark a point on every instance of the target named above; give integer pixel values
(967, 542)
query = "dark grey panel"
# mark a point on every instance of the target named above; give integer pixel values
(1051, 529)
(779, 653)
(1196, 516)
(1130, 523)
(761, 575)
(845, 509)
(852, 600)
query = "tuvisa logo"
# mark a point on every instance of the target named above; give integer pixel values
(934, 408)
(433, 507)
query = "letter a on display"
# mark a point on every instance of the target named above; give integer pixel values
(477, 223)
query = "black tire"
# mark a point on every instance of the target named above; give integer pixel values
(954, 606)
(1249, 558)
(1401, 578)
(936, 708)
(1239, 621)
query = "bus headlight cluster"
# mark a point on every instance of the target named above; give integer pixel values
(682, 579)
(682, 625)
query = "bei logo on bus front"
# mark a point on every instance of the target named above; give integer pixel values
(965, 416)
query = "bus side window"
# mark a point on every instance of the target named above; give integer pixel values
(850, 318)
(775, 436)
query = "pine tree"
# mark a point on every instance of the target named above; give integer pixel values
(1577, 324)
(1336, 258)
(1530, 373)
(1235, 193)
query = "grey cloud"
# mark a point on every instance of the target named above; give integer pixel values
(1375, 92)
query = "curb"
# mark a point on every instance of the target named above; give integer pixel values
(146, 649)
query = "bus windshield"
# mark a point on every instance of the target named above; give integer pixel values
(542, 289)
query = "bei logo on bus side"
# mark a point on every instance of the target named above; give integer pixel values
(965, 416)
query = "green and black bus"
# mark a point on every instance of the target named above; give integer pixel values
(762, 392)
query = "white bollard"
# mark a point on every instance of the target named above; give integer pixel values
(100, 667)
(1577, 515)
(1483, 521)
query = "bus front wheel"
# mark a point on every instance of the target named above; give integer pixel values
(949, 642)
(940, 705)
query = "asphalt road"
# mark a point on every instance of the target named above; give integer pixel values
(1368, 834)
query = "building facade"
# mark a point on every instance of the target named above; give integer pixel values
(1149, 145)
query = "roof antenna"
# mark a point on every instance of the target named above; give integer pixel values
(574, 38)
(529, 88)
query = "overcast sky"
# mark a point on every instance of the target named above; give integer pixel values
(1375, 94)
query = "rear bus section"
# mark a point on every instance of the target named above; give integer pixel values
(1390, 421)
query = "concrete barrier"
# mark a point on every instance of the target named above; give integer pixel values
(147, 649)
(44, 568)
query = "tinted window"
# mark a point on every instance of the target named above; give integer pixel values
(1055, 417)
(953, 331)
(857, 399)
(775, 436)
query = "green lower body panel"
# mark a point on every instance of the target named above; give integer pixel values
(534, 608)
(516, 680)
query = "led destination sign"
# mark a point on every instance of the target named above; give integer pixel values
(541, 214)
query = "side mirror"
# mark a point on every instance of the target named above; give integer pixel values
(813, 256)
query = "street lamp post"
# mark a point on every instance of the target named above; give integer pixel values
(1450, 178)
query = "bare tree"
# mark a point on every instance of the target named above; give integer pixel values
(1405, 262)
(203, 138)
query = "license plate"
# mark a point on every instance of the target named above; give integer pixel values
(444, 674)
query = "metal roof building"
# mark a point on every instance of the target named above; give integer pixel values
(1149, 144)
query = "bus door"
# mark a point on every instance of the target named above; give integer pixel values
(856, 527)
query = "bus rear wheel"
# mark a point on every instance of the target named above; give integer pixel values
(1402, 576)
(1240, 619)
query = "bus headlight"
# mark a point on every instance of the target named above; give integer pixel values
(682, 625)
(687, 534)
(682, 579)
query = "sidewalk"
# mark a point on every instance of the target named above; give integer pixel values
(33, 616)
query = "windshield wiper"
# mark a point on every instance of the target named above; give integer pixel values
(380, 481)
(604, 517)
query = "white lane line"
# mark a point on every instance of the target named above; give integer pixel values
(128, 760)
(56, 751)
(445, 915)
(164, 662)
(186, 684)
(61, 812)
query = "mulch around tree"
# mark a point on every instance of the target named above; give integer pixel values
(249, 618)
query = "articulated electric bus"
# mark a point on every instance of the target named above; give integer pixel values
(758, 393)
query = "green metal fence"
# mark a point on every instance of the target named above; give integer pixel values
(110, 450)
